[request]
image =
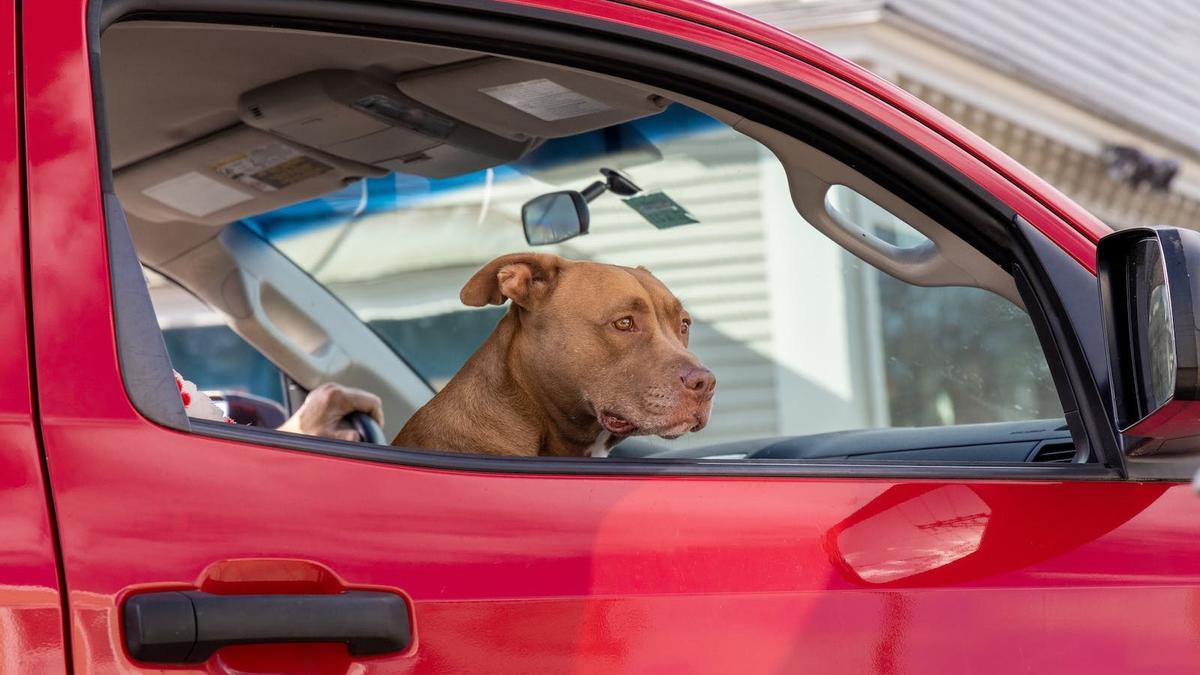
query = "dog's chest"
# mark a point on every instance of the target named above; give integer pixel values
(600, 447)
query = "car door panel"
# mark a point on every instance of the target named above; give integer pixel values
(548, 573)
(514, 573)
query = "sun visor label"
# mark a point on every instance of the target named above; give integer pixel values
(545, 99)
(660, 210)
(195, 194)
(270, 167)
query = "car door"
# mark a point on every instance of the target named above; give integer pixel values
(508, 566)
(31, 614)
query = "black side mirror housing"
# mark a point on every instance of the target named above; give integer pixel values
(1149, 280)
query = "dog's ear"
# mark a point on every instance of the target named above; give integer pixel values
(524, 278)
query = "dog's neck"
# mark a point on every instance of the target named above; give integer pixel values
(568, 426)
(496, 406)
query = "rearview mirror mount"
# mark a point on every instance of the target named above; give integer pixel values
(558, 216)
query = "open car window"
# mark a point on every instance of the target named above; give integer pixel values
(804, 337)
(328, 201)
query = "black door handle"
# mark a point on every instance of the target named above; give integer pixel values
(188, 626)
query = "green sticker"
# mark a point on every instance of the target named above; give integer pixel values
(660, 210)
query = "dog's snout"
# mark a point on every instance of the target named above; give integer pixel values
(699, 380)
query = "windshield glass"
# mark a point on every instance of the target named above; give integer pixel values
(802, 336)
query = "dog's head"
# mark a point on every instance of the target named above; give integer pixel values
(601, 340)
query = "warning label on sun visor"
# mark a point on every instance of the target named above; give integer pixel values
(270, 167)
(196, 194)
(545, 99)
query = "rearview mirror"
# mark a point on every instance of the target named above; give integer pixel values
(555, 217)
(1149, 285)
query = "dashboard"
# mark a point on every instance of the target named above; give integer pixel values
(1027, 441)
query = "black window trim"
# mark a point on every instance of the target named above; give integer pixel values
(708, 468)
(738, 85)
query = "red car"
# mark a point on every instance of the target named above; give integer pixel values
(955, 416)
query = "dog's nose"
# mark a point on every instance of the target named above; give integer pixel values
(699, 380)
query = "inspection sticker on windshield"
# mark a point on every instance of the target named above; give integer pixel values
(545, 99)
(660, 210)
(270, 167)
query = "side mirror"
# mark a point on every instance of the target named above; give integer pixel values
(1149, 289)
(555, 217)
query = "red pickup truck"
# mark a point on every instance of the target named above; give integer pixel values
(955, 420)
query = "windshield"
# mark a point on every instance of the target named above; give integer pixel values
(802, 336)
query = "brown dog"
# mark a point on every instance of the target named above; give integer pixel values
(587, 355)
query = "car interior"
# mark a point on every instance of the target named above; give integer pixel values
(228, 142)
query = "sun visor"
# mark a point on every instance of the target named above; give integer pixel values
(522, 100)
(351, 115)
(230, 175)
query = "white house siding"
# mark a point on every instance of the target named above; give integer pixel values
(1080, 175)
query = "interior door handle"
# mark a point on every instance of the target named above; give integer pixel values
(188, 626)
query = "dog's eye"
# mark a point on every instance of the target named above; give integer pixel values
(685, 327)
(623, 324)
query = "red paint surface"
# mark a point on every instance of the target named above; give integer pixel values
(573, 574)
(31, 620)
(1174, 420)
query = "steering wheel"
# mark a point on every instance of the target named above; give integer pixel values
(366, 426)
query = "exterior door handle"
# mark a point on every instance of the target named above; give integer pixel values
(188, 626)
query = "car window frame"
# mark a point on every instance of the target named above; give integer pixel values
(789, 105)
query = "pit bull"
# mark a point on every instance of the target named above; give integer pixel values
(587, 355)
